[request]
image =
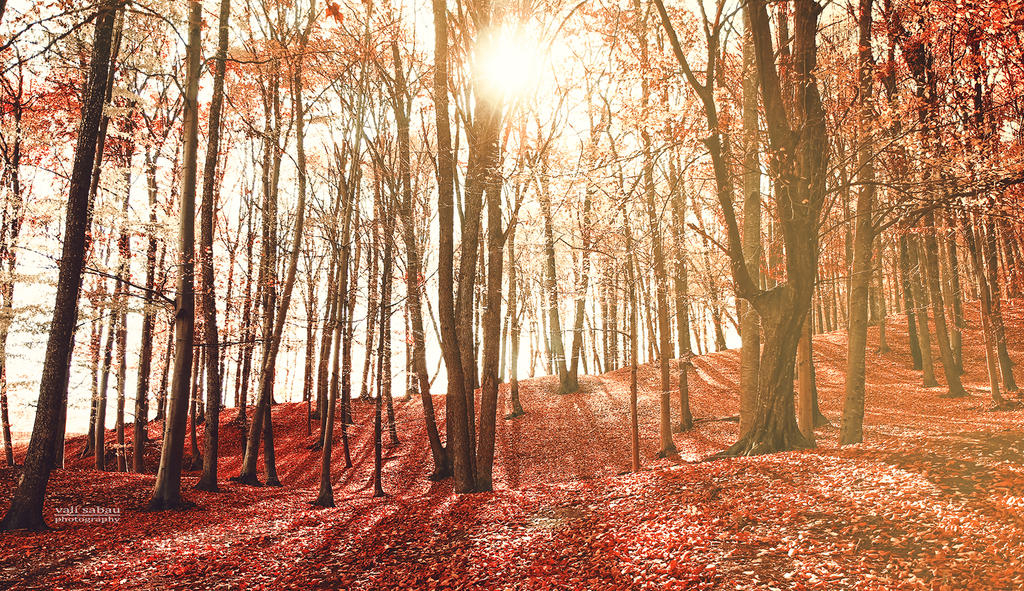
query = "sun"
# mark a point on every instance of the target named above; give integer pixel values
(510, 62)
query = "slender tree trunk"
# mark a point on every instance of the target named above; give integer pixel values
(921, 312)
(100, 426)
(456, 423)
(634, 427)
(385, 358)
(851, 427)
(991, 356)
(211, 348)
(805, 377)
(949, 366)
(955, 295)
(1005, 365)
(139, 432)
(373, 257)
(122, 366)
(167, 491)
(908, 301)
(384, 351)
(515, 318)
(750, 324)
(414, 275)
(566, 384)
(196, 459)
(883, 344)
(339, 317)
(267, 288)
(668, 447)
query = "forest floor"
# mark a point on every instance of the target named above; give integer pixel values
(934, 498)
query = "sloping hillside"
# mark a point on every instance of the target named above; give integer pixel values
(931, 500)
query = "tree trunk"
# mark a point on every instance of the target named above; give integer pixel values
(682, 297)
(750, 324)
(805, 366)
(851, 427)
(456, 420)
(26, 509)
(139, 432)
(167, 491)
(949, 366)
(908, 301)
(515, 318)
(1005, 365)
(492, 320)
(100, 426)
(991, 356)
(566, 383)
(211, 349)
(414, 275)
(339, 317)
(921, 312)
(634, 426)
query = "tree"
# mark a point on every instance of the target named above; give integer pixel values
(414, 271)
(456, 407)
(211, 349)
(798, 147)
(167, 491)
(851, 428)
(26, 510)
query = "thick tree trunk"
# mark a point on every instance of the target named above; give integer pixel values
(26, 509)
(492, 325)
